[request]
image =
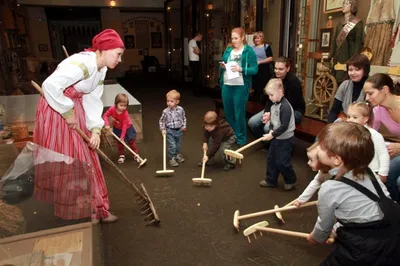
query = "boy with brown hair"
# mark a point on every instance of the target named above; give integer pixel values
(218, 136)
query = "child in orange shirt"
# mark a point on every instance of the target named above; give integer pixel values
(123, 127)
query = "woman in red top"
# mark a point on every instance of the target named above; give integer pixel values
(123, 127)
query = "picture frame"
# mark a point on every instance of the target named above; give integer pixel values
(332, 6)
(325, 39)
(129, 41)
(156, 40)
(43, 47)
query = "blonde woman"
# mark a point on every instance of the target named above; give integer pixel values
(265, 69)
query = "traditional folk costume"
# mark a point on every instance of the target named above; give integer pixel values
(75, 87)
(347, 41)
(379, 31)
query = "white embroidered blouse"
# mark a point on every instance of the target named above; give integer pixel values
(81, 71)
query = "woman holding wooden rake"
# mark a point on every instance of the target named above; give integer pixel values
(72, 99)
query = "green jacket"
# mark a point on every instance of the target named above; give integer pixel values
(249, 64)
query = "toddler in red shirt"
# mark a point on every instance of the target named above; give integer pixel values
(122, 125)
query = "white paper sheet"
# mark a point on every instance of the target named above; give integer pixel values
(231, 74)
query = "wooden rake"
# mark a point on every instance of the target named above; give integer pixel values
(165, 172)
(236, 154)
(142, 161)
(279, 214)
(202, 181)
(237, 217)
(262, 227)
(143, 197)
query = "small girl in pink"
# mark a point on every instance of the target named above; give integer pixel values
(122, 125)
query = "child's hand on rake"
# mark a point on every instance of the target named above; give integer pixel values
(296, 203)
(163, 132)
(205, 159)
(311, 240)
(205, 146)
(268, 137)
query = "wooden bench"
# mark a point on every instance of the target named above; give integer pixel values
(308, 129)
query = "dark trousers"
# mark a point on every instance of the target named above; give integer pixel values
(195, 67)
(130, 138)
(279, 161)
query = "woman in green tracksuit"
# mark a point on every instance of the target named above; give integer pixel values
(239, 63)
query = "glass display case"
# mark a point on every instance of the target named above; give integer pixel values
(174, 40)
(45, 208)
(219, 18)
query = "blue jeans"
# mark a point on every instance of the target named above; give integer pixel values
(174, 140)
(393, 181)
(129, 135)
(259, 129)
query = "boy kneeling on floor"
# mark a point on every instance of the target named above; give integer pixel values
(219, 135)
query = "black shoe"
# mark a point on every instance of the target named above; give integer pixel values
(228, 166)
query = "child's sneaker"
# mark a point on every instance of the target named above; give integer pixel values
(121, 159)
(173, 163)
(288, 187)
(179, 158)
(228, 166)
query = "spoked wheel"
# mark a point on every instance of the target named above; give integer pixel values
(325, 88)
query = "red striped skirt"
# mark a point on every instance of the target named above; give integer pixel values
(69, 186)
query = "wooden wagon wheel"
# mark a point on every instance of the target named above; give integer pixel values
(325, 88)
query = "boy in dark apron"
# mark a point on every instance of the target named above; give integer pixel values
(369, 221)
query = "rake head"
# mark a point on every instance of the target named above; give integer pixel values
(234, 154)
(202, 181)
(252, 230)
(142, 163)
(148, 208)
(279, 214)
(236, 220)
(165, 173)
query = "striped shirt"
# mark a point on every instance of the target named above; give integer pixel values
(173, 118)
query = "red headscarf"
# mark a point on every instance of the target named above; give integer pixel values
(106, 40)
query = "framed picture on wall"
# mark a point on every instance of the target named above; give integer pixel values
(156, 40)
(325, 39)
(331, 6)
(129, 41)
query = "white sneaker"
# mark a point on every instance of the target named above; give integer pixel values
(179, 158)
(121, 159)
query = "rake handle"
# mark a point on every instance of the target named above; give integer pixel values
(164, 151)
(65, 51)
(288, 208)
(288, 233)
(203, 166)
(100, 152)
(249, 145)
(126, 146)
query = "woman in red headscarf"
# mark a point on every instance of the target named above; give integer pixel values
(72, 98)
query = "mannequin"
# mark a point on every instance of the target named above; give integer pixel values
(348, 38)
(379, 30)
(395, 58)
